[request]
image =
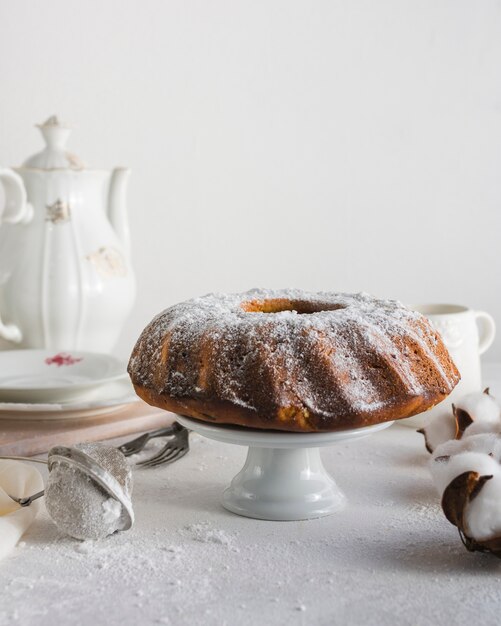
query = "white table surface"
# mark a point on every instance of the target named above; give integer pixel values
(390, 558)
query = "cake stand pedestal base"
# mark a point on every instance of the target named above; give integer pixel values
(283, 478)
(283, 484)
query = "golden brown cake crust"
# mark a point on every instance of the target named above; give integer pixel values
(291, 360)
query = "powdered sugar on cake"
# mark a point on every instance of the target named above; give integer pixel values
(336, 356)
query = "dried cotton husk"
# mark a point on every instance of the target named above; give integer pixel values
(474, 414)
(467, 474)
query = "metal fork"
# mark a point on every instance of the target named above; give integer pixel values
(173, 450)
(136, 445)
(176, 448)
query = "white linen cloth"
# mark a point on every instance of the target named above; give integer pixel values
(19, 480)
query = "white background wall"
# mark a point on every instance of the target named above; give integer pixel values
(338, 145)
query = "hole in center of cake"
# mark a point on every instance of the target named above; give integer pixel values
(278, 305)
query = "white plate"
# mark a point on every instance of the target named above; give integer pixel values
(109, 398)
(49, 376)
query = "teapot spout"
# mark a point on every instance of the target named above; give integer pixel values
(117, 208)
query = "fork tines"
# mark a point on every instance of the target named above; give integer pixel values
(173, 450)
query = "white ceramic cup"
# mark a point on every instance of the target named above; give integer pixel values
(467, 334)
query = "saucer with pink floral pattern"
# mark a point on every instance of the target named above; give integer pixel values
(55, 376)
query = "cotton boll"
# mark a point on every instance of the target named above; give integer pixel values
(488, 443)
(444, 471)
(467, 471)
(482, 517)
(477, 428)
(438, 430)
(480, 407)
(496, 449)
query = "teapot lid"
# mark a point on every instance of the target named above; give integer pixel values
(55, 154)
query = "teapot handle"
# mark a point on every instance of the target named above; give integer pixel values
(10, 332)
(16, 210)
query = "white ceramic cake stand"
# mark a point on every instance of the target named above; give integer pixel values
(283, 478)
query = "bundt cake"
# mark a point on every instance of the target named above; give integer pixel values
(292, 360)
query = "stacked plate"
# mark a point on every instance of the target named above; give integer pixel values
(38, 384)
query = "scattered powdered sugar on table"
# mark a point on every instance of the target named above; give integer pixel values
(390, 557)
(204, 533)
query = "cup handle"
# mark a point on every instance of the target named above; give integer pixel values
(489, 330)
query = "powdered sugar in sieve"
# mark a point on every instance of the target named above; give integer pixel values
(88, 494)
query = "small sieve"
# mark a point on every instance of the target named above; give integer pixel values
(102, 475)
(102, 469)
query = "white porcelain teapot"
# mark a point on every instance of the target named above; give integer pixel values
(65, 275)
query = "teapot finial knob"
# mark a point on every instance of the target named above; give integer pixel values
(55, 132)
(55, 154)
(53, 120)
